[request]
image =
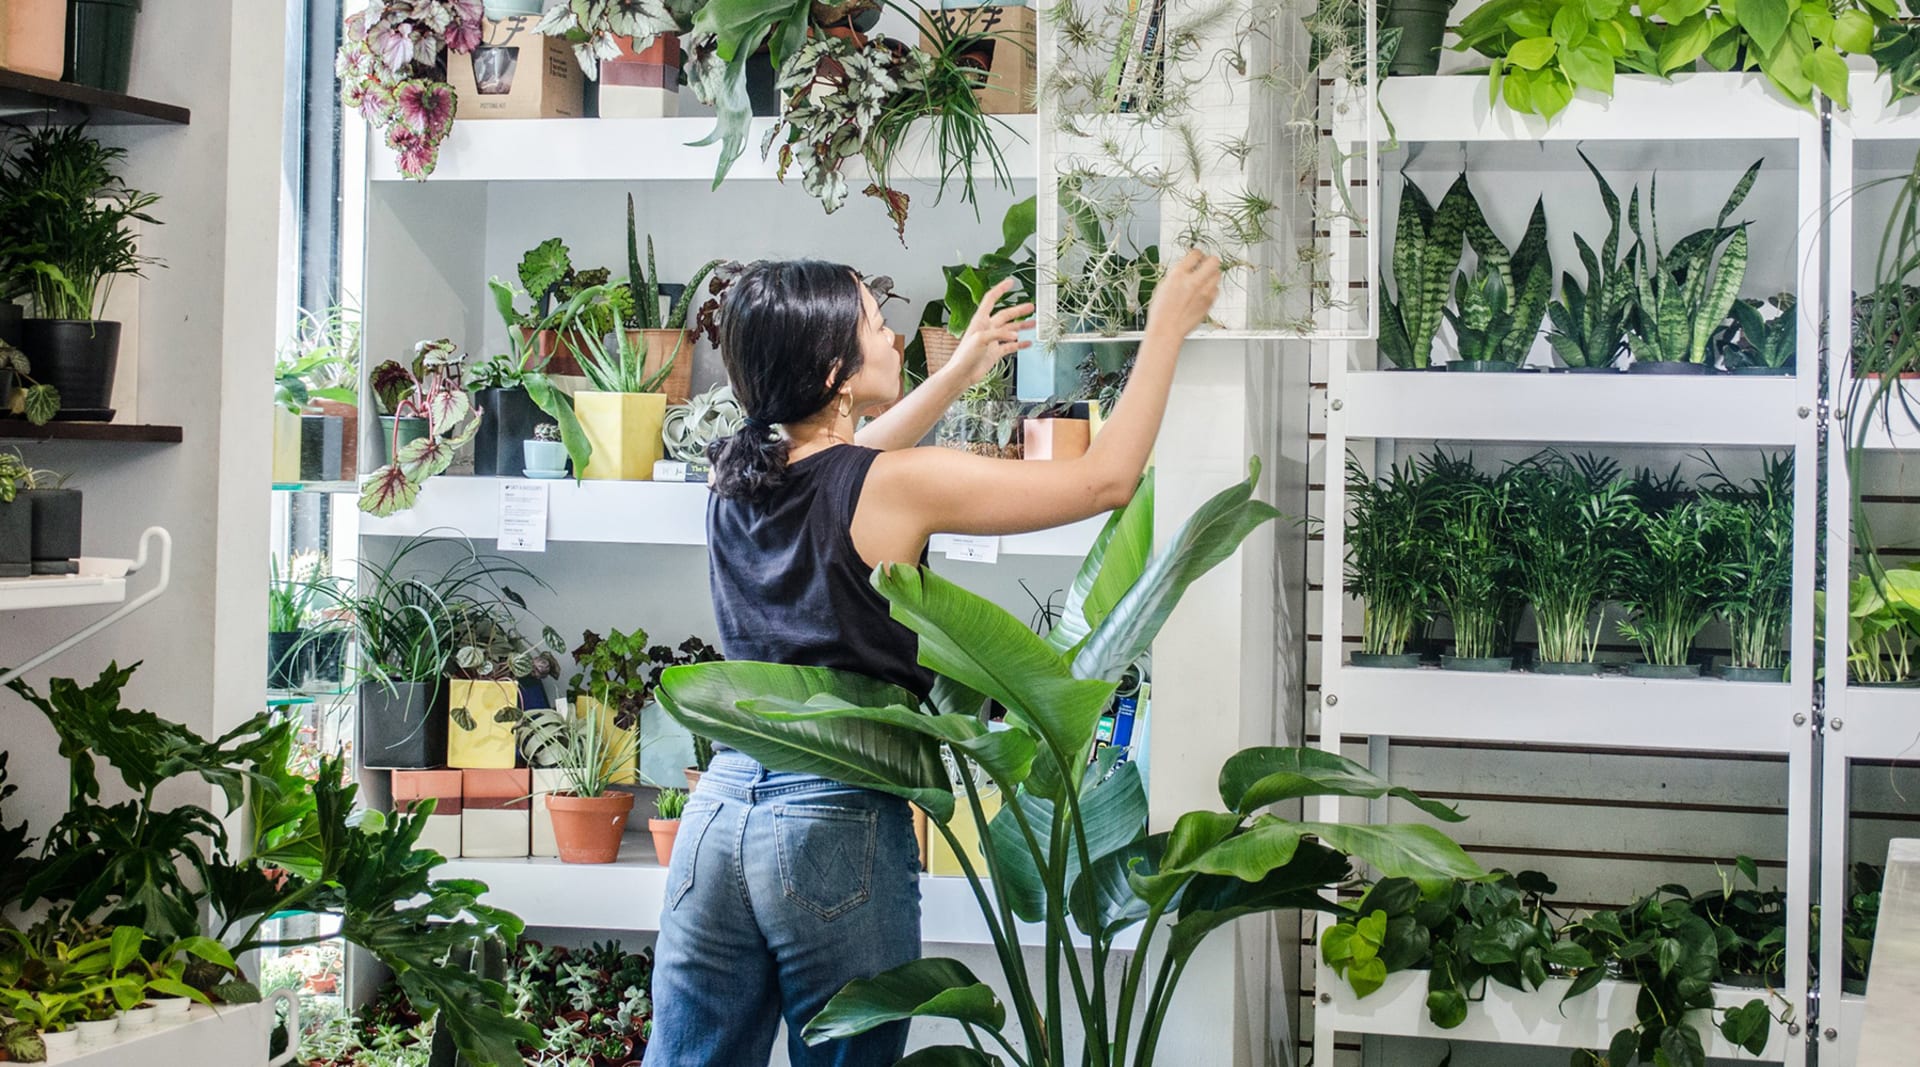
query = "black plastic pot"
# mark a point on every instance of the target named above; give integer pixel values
(507, 419)
(533, 695)
(1421, 24)
(100, 43)
(1584, 670)
(56, 529)
(76, 357)
(760, 84)
(16, 539)
(286, 659)
(328, 649)
(1608, 369)
(1477, 664)
(1754, 674)
(12, 317)
(322, 447)
(1663, 670)
(1644, 366)
(1483, 366)
(403, 727)
(1404, 661)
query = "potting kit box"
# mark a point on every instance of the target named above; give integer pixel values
(496, 814)
(444, 788)
(516, 73)
(546, 780)
(1002, 45)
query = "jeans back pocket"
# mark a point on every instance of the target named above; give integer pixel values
(694, 821)
(826, 856)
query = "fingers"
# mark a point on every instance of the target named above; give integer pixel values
(1017, 311)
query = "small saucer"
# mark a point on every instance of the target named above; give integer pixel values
(546, 475)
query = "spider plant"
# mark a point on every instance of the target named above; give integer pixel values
(1590, 323)
(1567, 524)
(1671, 580)
(1683, 294)
(1755, 543)
(1427, 244)
(1390, 553)
(1473, 561)
(615, 362)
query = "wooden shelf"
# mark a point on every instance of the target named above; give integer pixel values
(22, 430)
(23, 96)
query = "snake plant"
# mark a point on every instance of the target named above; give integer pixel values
(1484, 321)
(1526, 281)
(1426, 252)
(1683, 294)
(1590, 322)
(1764, 342)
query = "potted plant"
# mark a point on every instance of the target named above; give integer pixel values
(1420, 25)
(100, 43)
(16, 518)
(1473, 563)
(67, 201)
(1060, 430)
(1390, 558)
(622, 411)
(292, 598)
(690, 429)
(1570, 519)
(665, 334)
(665, 823)
(611, 681)
(316, 381)
(393, 71)
(544, 453)
(513, 394)
(985, 420)
(604, 35)
(1427, 245)
(589, 817)
(1500, 304)
(1669, 582)
(702, 761)
(491, 669)
(1589, 325)
(1766, 345)
(56, 515)
(1683, 294)
(430, 416)
(39, 402)
(1755, 541)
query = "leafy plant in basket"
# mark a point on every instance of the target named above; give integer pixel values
(1427, 245)
(1391, 552)
(1670, 582)
(1589, 325)
(1684, 293)
(1754, 543)
(433, 389)
(1500, 305)
(1069, 849)
(1570, 518)
(393, 70)
(1473, 560)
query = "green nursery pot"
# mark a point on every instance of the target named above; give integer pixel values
(1663, 670)
(1585, 669)
(100, 43)
(1477, 664)
(1422, 23)
(1484, 366)
(1403, 661)
(1754, 674)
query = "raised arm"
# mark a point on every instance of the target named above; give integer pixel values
(990, 337)
(915, 493)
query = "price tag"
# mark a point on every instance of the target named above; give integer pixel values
(523, 517)
(973, 549)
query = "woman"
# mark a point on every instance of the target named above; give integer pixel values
(784, 887)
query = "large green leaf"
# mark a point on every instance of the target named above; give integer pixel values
(1256, 777)
(1211, 901)
(1113, 811)
(1102, 900)
(977, 643)
(1126, 540)
(706, 698)
(1193, 834)
(1213, 533)
(1396, 850)
(1006, 755)
(932, 988)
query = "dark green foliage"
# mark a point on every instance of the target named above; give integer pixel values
(1590, 323)
(1683, 294)
(1390, 552)
(1568, 527)
(1427, 245)
(1764, 342)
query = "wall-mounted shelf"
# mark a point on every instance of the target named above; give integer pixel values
(130, 433)
(44, 100)
(107, 586)
(60, 591)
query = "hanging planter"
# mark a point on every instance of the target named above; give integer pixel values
(1422, 24)
(100, 43)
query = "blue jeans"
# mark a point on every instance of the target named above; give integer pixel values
(783, 888)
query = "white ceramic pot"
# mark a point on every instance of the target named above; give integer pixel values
(171, 1009)
(97, 1032)
(63, 1044)
(138, 1018)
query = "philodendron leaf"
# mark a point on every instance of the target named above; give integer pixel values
(1256, 777)
(707, 699)
(932, 988)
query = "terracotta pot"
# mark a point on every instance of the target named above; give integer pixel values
(679, 345)
(664, 831)
(552, 355)
(693, 779)
(588, 829)
(940, 346)
(1056, 438)
(35, 37)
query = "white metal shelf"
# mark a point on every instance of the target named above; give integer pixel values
(629, 895)
(1587, 408)
(1692, 107)
(60, 591)
(634, 150)
(1519, 707)
(1877, 723)
(1510, 1016)
(649, 513)
(1873, 117)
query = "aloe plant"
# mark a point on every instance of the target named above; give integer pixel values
(1390, 553)
(1683, 294)
(1590, 322)
(1069, 850)
(1426, 251)
(1567, 525)
(1526, 281)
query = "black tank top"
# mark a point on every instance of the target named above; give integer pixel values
(788, 585)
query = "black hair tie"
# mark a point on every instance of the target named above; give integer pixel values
(760, 427)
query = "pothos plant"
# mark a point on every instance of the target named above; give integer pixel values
(1069, 849)
(1540, 51)
(393, 70)
(433, 388)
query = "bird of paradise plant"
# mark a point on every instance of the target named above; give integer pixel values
(1070, 848)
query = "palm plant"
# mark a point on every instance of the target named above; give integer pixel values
(1671, 580)
(1426, 251)
(1473, 561)
(68, 203)
(1683, 294)
(1590, 323)
(1069, 849)
(1755, 541)
(1390, 553)
(1567, 525)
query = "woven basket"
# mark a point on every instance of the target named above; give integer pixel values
(940, 346)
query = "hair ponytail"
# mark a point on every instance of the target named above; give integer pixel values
(790, 336)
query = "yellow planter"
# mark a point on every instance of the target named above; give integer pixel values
(624, 430)
(617, 739)
(941, 858)
(286, 445)
(489, 745)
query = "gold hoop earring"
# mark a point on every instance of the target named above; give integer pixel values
(846, 405)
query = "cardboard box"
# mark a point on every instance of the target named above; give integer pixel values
(1004, 48)
(444, 788)
(489, 743)
(496, 814)
(518, 74)
(545, 780)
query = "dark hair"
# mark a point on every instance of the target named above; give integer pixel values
(790, 336)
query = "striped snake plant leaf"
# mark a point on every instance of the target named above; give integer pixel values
(1426, 252)
(1532, 287)
(1731, 270)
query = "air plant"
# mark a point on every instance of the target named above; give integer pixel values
(1567, 526)
(1391, 553)
(1590, 323)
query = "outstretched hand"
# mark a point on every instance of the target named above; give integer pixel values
(1185, 294)
(992, 335)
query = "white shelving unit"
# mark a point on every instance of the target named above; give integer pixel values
(106, 583)
(59, 591)
(1647, 124)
